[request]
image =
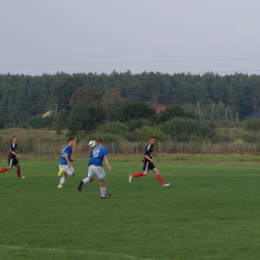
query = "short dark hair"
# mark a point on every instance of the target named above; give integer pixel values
(100, 140)
(152, 137)
(71, 138)
(14, 136)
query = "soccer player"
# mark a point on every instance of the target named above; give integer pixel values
(97, 155)
(12, 161)
(148, 164)
(65, 165)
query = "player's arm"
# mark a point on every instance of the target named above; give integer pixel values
(67, 159)
(107, 163)
(148, 158)
(156, 156)
(15, 154)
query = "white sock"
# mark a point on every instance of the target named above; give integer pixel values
(103, 192)
(62, 180)
(86, 180)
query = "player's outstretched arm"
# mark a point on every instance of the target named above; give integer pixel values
(108, 165)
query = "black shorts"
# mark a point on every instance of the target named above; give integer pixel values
(148, 166)
(12, 162)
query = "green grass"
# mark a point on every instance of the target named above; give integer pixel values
(208, 212)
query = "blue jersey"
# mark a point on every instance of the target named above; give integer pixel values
(65, 150)
(97, 155)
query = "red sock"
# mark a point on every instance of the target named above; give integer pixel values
(160, 179)
(18, 173)
(4, 170)
(139, 174)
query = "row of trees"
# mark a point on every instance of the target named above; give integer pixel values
(22, 97)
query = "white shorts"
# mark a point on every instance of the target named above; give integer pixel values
(69, 170)
(96, 170)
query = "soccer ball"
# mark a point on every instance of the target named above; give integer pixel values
(92, 144)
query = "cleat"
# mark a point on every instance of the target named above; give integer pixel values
(106, 196)
(166, 184)
(59, 187)
(21, 177)
(80, 185)
(60, 172)
(130, 178)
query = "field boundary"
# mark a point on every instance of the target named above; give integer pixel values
(73, 251)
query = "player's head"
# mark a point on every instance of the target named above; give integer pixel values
(15, 139)
(152, 140)
(100, 141)
(71, 141)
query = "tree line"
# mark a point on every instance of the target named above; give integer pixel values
(24, 96)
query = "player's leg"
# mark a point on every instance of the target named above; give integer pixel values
(9, 167)
(18, 171)
(89, 179)
(139, 174)
(6, 169)
(64, 175)
(160, 178)
(99, 171)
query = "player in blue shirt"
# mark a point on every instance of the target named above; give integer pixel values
(65, 162)
(97, 155)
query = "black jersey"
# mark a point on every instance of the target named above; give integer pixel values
(149, 152)
(13, 148)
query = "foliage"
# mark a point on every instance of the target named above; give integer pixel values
(58, 123)
(2, 122)
(38, 121)
(113, 128)
(171, 112)
(136, 111)
(184, 129)
(85, 118)
(148, 132)
(134, 124)
(228, 94)
(85, 95)
(253, 124)
(114, 102)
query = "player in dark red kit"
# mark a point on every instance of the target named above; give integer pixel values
(12, 161)
(148, 164)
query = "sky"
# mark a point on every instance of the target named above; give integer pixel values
(100, 36)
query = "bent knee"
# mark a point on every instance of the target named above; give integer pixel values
(144, 173)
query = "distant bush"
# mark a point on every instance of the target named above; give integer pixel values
(136, 111)
(113, 128)
(171, 112)
(9, 125)
(134, 124)
(38, 121)
(253, 124)
(2, 122)
(85, 118)
(184, 129)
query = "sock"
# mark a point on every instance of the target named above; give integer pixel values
(139, 174)
(62, 180)
(86, 180)
(160, 179)
(18, 173)
(4, 170)
(103, 191)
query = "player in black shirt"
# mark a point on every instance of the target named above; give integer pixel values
(148, 163)
(12, 161)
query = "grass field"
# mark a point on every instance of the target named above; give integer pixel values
(208, 212)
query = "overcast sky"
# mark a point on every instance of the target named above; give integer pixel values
(168, 36)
